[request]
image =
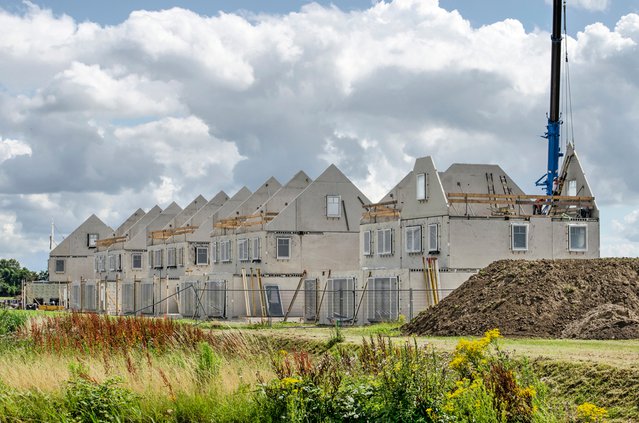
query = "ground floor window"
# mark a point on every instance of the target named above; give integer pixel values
(577, 238)
(383, 299)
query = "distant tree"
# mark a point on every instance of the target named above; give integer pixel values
(12, 275)
(43, 275)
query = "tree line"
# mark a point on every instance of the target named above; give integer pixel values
(12, 274)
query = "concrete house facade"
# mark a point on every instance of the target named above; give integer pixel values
(72, 259)
(434, 230)
(275, 259)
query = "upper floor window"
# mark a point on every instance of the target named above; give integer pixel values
(225, 251)
(171, 257)
(136, 261)
(201, 256)
(333, 203)
(112, 262)
(215, 256)
(283, 248)
(157, 260)
(577, 238)
(433, 238)
(92, 240)
(242, 249)
(519, 237)
(59, 266)
(180, 256)
(255, 250)
(367, 243)
(384, 241)
(422, 185)
(414, 239)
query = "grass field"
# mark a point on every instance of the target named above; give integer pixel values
(159, 370)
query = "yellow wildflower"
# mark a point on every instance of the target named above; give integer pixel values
(589, 412)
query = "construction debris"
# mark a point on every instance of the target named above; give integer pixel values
(585, 299)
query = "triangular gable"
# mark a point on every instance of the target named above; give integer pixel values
(76, 243)
(139, 241)
(209, 208)
(259, 197)
(188, 212)
(287, 193)
(202, 233)
(573, 171)
(130, 221)
(435, 203)
(307, 212)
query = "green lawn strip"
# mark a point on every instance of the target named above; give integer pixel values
(616, 389)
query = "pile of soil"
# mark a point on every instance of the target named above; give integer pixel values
(585, 299)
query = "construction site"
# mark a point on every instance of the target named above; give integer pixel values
(319, 251)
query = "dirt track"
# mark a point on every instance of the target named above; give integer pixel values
(587, 299)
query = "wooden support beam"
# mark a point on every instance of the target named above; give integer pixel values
(107, 242)
(374, 205)
(519, 197)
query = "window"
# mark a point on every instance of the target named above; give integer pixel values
(150, 259)
(577, 238)
(519, 237)
(180, 257)
(214, 252)
(96, 263)
(283, 248)
(273, 301)
(157, 259)
(383, 299)
(414, 239)
(433, 238)
(572, 188)
(101, 263)
(171, 257)
(422, 184)
(242, 250)
(341, 301)
(333, 203)
(59, 266)
(111, 262)
(384, 240)
(255, 250)
(225, 251)
(201, 256)
(118, 262)
(367, 243)
(136, 261)
(92, 239)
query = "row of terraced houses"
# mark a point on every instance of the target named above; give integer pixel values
(318, 249)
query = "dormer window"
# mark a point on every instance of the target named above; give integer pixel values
(333, 205)
(92, 240)
(422, 185)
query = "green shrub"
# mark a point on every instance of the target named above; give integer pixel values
(89, 400)
(11, 321)
(208, 364)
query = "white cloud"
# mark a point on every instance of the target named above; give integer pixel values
(168, 105)
(13, 148)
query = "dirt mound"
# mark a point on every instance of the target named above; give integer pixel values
(609, 321)
(590, 299)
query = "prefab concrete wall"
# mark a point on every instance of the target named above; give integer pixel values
(475, 243)
(46, 293)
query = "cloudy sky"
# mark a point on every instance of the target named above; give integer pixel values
(110, 106)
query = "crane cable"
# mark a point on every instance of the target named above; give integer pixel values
(568, 89)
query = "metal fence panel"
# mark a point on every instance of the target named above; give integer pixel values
(310, 299)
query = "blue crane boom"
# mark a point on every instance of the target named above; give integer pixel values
(554, 122)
